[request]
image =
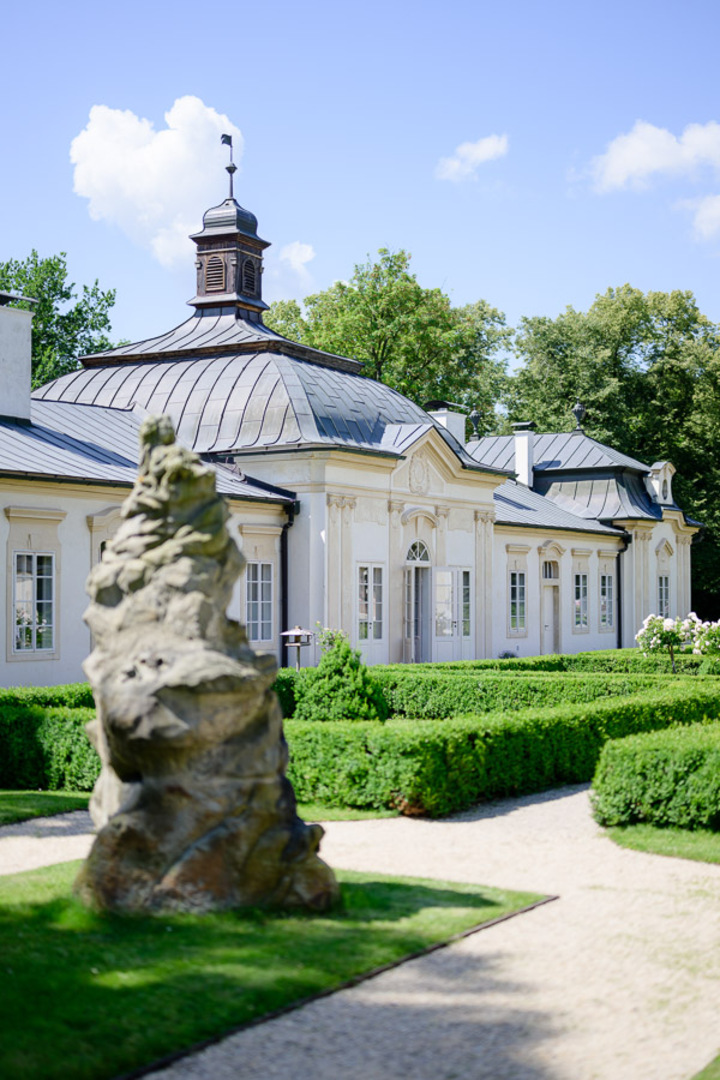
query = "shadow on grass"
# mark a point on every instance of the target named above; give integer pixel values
(90, 996)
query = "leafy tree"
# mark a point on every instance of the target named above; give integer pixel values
(647, 369)
(408, 337)
(62, 329)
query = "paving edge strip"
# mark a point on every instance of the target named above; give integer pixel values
(178, 1055)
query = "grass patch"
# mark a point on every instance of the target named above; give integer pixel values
(90, 996)
(702, 845)
(311, 811)
(711, 1071)
(23, 805)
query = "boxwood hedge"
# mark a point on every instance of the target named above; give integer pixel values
(440, 766)
(46, 748)
(666, 778)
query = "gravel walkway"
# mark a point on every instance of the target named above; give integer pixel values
(619, 979)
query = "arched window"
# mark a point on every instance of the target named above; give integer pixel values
(215, 274)
(418, 552)
(249, 279)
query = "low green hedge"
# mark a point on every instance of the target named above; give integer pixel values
(46, 748)
(290, 683)
(441, 766)
(666, 778)
(437, 694)
(628, 661)
(71, 696)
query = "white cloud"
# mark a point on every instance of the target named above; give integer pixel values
(706, 216)
(468, 157)
(632, 159)
(297, 255)
(154, 185)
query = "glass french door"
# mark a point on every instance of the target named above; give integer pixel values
(370, 620)
(452, 634)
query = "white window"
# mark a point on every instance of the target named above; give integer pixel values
(664, 596)
(551, 570)
(517, 602)
(370, 603)
(259, 601)
(581, 602)
(607, 613)
(466, 601)
(34, 601)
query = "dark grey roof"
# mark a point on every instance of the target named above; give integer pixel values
(517, 505)
(215, 331)
(560, 451)
(257, 400)
(66, 441)
(606, 497)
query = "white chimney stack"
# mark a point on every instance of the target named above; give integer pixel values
(15, 360)
(524, 438)
(450, 416)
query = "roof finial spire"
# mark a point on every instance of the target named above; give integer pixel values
(579, 411)
(226, 140)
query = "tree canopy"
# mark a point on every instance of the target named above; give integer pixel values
(409, 337)
(647, 368)
(65, 324)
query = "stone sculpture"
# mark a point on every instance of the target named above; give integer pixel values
(193, 808)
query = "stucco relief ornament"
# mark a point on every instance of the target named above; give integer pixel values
(419, 475)
(193, 808)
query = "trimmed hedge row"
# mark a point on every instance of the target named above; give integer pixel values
(70, 696)
(46, 748)
(435, 695)
(441, 766)
(666, 778)
(627, 661)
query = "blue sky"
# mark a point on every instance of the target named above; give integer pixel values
(590, 136)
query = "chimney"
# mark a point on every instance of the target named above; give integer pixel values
(452, 417)
(15, 359)
(524, 438)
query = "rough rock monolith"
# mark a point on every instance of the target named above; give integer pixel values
(193, 808)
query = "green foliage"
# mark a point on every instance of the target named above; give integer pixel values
(439, 766)
(647, 368)
(667, 778)
(341, 687)
(70, 695)
(46, 748)
(429, 767)
(438, 694)
(408, 337)
(62, 330)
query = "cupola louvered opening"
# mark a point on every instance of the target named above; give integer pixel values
(249, 279)
(215, 274)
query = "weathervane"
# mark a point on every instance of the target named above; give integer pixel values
(226, 140)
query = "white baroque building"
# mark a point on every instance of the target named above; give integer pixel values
(354, 507)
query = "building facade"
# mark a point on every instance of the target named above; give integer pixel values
(354, 507)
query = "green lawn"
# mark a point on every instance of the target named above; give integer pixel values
(21, 805)
(700, 844)
(711, 1071)
(89, 995)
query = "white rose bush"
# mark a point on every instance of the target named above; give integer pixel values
(689, 634)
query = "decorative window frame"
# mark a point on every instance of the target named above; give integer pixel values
(250, 567)
(580, 569)
(103, 527)
(517, 563)
(607, 568)
(664, 553)
(259, 542)
(32, 530)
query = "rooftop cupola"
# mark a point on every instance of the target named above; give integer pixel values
(229, 258)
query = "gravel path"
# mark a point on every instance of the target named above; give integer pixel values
(619, 979)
